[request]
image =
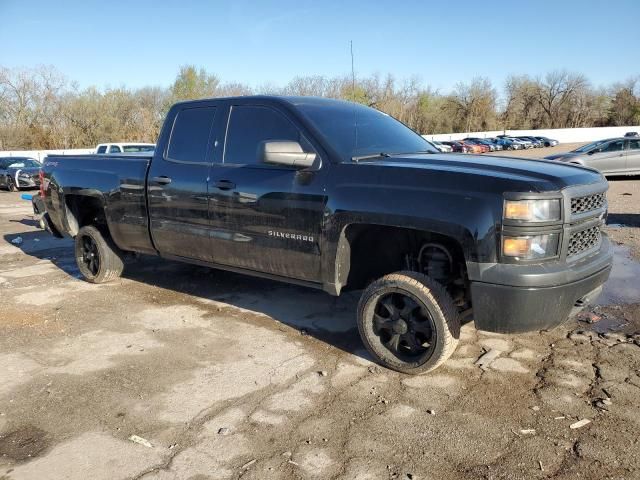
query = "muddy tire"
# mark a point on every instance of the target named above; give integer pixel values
(408, 322)
(98, 258)
(11, 184)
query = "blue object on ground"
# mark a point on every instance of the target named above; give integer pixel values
(26, 196)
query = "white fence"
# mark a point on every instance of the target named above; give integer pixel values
(40, 154)
(563, 135)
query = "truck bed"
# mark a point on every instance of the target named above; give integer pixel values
(117, 182)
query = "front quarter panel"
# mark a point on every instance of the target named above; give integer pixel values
(446, 203)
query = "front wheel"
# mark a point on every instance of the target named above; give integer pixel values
(98, 258)
(408, 322)
(11, 184)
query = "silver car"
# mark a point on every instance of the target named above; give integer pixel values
(613, 156)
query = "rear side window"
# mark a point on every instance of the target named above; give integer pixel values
(102, 149)
(251, 125)
(190, 134)
(634, 144)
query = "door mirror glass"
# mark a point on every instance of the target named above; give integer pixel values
(287, 153)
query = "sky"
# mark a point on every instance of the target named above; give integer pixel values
(113, 43)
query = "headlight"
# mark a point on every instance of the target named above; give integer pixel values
(532, 210)
(531, 247)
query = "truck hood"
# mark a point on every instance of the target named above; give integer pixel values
(531, 175)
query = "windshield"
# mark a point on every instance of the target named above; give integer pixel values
(23, 163)
(354, 130)
(589, 146)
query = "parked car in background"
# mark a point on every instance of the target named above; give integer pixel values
(536, 143)
(475, 147)
(458, 147)
(117, 148)
(631, 134)
(19, 172)
(522, 141)
(506, 143)
(443, 147)
(613, 156)
(483, 141)
(527, 143)
(548, 142)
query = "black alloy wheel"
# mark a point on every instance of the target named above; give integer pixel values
(90, 256)
(404, 326)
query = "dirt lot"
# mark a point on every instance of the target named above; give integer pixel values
(227, 376)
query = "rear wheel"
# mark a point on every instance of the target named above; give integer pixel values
(408, 322)
(98, 258)
(11, 184)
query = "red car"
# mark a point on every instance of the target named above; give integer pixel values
(458, 147)
(475, 147)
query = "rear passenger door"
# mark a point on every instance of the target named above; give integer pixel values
(266, 218)
(177, 183)
(633, 155)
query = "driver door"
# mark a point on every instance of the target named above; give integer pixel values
(266, 217)
(609, 158)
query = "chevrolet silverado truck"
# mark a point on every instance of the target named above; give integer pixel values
(334, 195)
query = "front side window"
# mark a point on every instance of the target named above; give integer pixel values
(189, 138)
(616, 146)
(102, 149)
(114, 149)
(249, 126)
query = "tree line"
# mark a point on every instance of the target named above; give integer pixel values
(41, 109)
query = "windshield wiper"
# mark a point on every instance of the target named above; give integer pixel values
(372, 156)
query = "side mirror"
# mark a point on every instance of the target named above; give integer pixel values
(283, 152)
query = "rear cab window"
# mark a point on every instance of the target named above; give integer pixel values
(634, 144)
(190, 135)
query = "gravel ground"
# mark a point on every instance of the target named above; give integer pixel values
(224, 376)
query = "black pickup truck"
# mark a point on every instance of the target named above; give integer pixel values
(334, 195)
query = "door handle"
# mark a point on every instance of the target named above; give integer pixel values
(162, 180)
(225, 185)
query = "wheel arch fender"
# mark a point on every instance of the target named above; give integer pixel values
(80, 207)
(337, 272)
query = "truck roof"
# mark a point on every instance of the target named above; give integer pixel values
(290, 99)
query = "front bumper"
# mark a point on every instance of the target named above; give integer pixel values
(537, 297)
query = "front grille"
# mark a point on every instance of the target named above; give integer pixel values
(588, 203)
(582, 241)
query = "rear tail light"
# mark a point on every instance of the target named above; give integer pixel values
(41, 176)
